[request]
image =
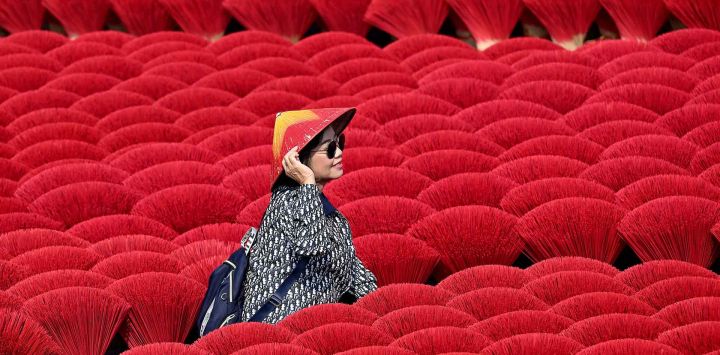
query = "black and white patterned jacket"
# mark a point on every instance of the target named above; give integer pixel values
(301, 222)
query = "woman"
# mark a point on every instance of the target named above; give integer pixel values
(301, 223)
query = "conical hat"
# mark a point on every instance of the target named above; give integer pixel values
(298, 128)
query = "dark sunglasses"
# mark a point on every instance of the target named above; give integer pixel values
(332, 147)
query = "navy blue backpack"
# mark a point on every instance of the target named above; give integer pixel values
(223, 302)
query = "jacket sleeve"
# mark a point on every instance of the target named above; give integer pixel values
(304, 221)
(364, 280)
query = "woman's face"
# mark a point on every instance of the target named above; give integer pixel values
(326, 168)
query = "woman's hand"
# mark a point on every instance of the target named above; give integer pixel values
(297, 170)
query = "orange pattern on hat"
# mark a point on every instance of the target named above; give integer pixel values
(283, 121)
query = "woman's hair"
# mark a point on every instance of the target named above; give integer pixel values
(285, 180)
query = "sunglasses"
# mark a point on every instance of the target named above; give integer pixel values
(332, 147)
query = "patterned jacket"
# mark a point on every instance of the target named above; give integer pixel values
(301, 222)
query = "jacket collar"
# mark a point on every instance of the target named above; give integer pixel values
(328, 208)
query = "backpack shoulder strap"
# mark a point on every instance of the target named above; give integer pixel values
(247, 240)
(279, 295)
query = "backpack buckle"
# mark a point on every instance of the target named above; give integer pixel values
(275, 300)
(227, 320)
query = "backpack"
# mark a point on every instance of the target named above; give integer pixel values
(224, 298)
